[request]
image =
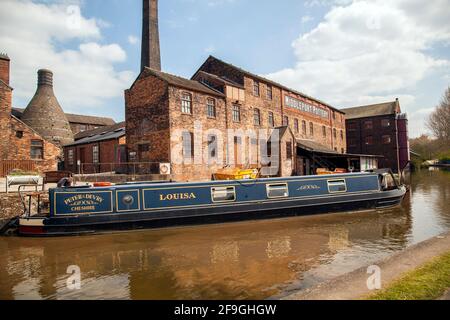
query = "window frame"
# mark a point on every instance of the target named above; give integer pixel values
(213, 189)
(256, 88)
(311, 129)
(330, 181)
(271, 120)
(35, 147)
(186, 104)
(388, 136)
(211, 110)
(185, 156)
(236, 113)
(256, 117)
(269, 185)
(95, 154)
(269, 92)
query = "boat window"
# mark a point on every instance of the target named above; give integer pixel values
(277, 190)
(335, 186)
(223, 194)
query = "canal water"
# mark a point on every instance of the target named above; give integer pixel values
(248, 260)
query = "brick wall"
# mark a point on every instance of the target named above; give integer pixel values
(357, 134)
(147, 119)
(210, 126)
(4, 70)
(108, 160)
(5, 116)
(20, 138)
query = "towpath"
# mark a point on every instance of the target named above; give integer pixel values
(353, 285)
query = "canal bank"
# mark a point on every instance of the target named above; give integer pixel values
(353, 285)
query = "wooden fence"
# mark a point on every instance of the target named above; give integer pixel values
(6, 166)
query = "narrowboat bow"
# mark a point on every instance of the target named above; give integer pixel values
(86, 210)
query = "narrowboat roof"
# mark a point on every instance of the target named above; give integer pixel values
(231, 182)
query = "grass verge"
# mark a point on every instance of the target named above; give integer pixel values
(429, 282)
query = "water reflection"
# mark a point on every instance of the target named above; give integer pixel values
(247, 260)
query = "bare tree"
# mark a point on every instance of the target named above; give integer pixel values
(439, 120)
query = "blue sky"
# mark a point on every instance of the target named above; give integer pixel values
(342, 51)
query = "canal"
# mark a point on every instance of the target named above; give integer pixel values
(248, 260)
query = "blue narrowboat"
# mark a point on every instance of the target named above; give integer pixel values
(86, 210)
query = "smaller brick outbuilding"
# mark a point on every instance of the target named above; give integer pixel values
(97, 151)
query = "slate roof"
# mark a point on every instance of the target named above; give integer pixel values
(182, 82)
(262, 79)
(222, 79)
(97, 135)
(100, 130)
(311, 145)
(373, 110)
(75, 118)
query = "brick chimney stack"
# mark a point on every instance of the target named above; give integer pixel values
(4, 68)
(150, 52)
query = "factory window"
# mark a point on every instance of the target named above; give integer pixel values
(351, 126)
(70, 157)
(296, 126)
(386, 123)
(387, 139)
(256, 117)
(212, 146)
(269, 92)
(37, 149)
(188, 145)
(271, 120)
(324, 131)
(95, 154)
(236, 113)
(335, 134)
(211, 108)
(334, 115)
(255, 88)
(368, 125)
(342, 135)
(186, 103)
(82, 127)
(304, 127)
(285, 121)
(311, 129)
(369, 140)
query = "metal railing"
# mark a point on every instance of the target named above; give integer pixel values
(125, 168)
(7, 166)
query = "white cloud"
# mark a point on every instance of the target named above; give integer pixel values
(306, 19)
(32, 33)
(370, 51)
(133, 39)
